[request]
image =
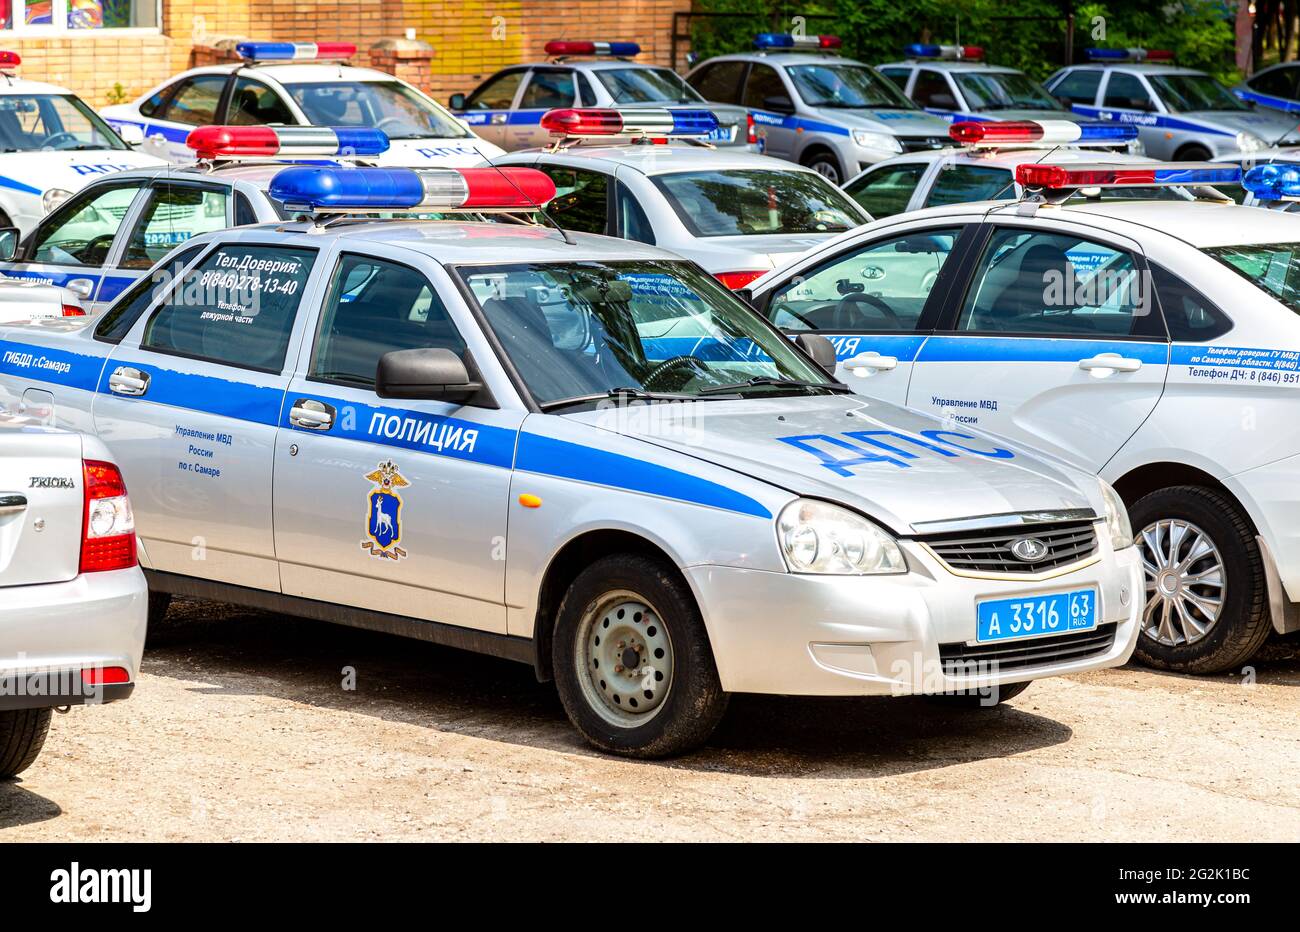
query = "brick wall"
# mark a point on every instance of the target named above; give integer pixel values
(470, 38)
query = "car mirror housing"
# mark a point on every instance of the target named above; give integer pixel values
(428, 374)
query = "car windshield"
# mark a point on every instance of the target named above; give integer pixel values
(1185, 93)
(29, 122)
(398, 110)
(750, 202)
(1003, 90)
(585, 331)
(846, 87)
(1273, 268)
(646, 85)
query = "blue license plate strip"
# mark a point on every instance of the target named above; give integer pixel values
(1036, 615)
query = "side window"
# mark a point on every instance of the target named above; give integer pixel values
(581, 199)
(375, 307)
(1189, 315)
(237, 309)
(886, 191)
(1279, 82)
(586, 95)
(547, 88)
(957, 184)
(719, 82)
(932, 90)
(1057, 285)
(632, 222)
(1126, 92)
(898, 75)
(81, 232)
(118, 320)
(880, 286)
(253, 103)
(196, 100)
(244, 212)
(172, 215)
(1079, 87)
(498, 93)
(157, 99)
(764, 89)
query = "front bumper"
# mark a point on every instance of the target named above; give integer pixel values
(50, 633)
(880, 635)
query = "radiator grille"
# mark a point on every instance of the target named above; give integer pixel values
(990, 551)
(966, 659)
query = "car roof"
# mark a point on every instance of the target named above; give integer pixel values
(592, 64)
(1138, 66)
(659, 160)
(786, 58)
(296, 72)
(942, 65)
(1010, 158)
(15, 86)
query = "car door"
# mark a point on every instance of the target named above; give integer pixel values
(1126, 98)
(197, 101)
(875, 300)
(582, 198)
(174, 211)
(771, 103)
(888, 188)
(933, 92)
(1057, 341)
(395, 506)
(488, 109)
(253, 103)
(720, 81)
(74, 246)
(190, 404)
(545, 89)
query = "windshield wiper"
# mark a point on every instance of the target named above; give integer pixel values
(624, 395)
(765, 380)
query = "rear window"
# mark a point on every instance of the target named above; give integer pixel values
(744, 202)
(1273, 268)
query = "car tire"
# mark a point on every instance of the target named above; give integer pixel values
(22, 735)
(632, 660)
(980, 698)
(827, 165)
(1192, 154)
(1166, 524)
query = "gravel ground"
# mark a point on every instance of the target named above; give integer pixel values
(241, 729)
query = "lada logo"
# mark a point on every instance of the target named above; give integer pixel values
(1028, 549)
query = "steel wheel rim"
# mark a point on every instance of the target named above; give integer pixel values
(827, 171)
(1186, 582)
(616, 628)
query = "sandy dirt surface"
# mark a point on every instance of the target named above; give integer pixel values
(241, 729)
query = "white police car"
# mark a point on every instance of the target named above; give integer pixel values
(811, 106)
(1274, 87)
(954, 82)
(289, 85)
(985, 165)
(1154, 342)
(1180, 113)
(737, 214)
(507, 108)
(580, 453)
(51, 145)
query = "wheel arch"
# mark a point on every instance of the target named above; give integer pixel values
(808, 152)
(1150, 477)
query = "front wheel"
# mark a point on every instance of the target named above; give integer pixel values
(1207, 600)
(826, 165)
(632, 660)
(1193, 154)
(22, 735)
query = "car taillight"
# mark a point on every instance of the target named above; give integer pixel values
(751, 134)
(71, 310)
(734, 280)
(108, 527)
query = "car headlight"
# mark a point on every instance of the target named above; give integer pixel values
(818, 537)
(53, 198)
(1249, 142)
(1117, 523)
(870, 140)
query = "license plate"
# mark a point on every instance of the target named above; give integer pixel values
(1036, 615)
(721, 134)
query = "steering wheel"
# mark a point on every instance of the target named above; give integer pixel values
(95, 251)
(386, 120)
(845, 312)
(669, 364)
(50, 141)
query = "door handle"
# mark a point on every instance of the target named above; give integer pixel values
(310, 414)
(83, 287)
(871, 360)
(498, 119)
(11, 504)
(128, 381)
(1112, 361)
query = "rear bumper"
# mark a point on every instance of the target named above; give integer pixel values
(50, 633)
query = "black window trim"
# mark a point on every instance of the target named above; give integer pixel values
(199, 256)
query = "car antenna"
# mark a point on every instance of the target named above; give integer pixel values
(536, 207)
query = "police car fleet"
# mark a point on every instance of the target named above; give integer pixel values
(290, 85)
(508, 107)
(1154, 341)
(736, 213)
(360, 419)
(51, 145)
(812, 106)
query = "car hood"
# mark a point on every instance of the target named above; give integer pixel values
(899, 122)
(35, 173)
(737, 253)
(898, 466)
(1271, 126)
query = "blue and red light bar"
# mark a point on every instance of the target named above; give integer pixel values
(785, 40)
(1277, 181)
(295, 51)
(312, 188)
(1130, 55)
(616, 49)
(658, 121)
(950, 52)
(1058, 177)
(9, 60)
(233, 142)
(1037, 133)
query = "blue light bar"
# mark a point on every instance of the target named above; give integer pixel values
(693, 122)
(1273, 182)
(1108, 54)
(624, 49)
(294, 51)
(1228, 174)
(773, 40)
(325, 188)
(1106, 131)
(922, 51)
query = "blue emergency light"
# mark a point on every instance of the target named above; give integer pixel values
(295, 51)
(1273, 182)
(511, 188)
(786, 40)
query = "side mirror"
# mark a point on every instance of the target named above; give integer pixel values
(819, 348)
(8, 243)
(456, 101)
(425, 374)
(778, 103)
(131, 134)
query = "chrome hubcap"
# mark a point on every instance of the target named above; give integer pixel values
(827, 171)
(624, 659)
(1185, 582)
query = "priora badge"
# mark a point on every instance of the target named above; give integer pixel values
(1028, 549)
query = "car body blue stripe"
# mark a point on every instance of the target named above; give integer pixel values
(1267, 100)
(1035, 349)
(767, 118)
(1150, 120)
(258, 404)
(15, 185)
(56, 367)
(49, 276)
(114, 285)
(562, 459)
(170, 133)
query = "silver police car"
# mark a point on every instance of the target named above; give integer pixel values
(833, 114)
